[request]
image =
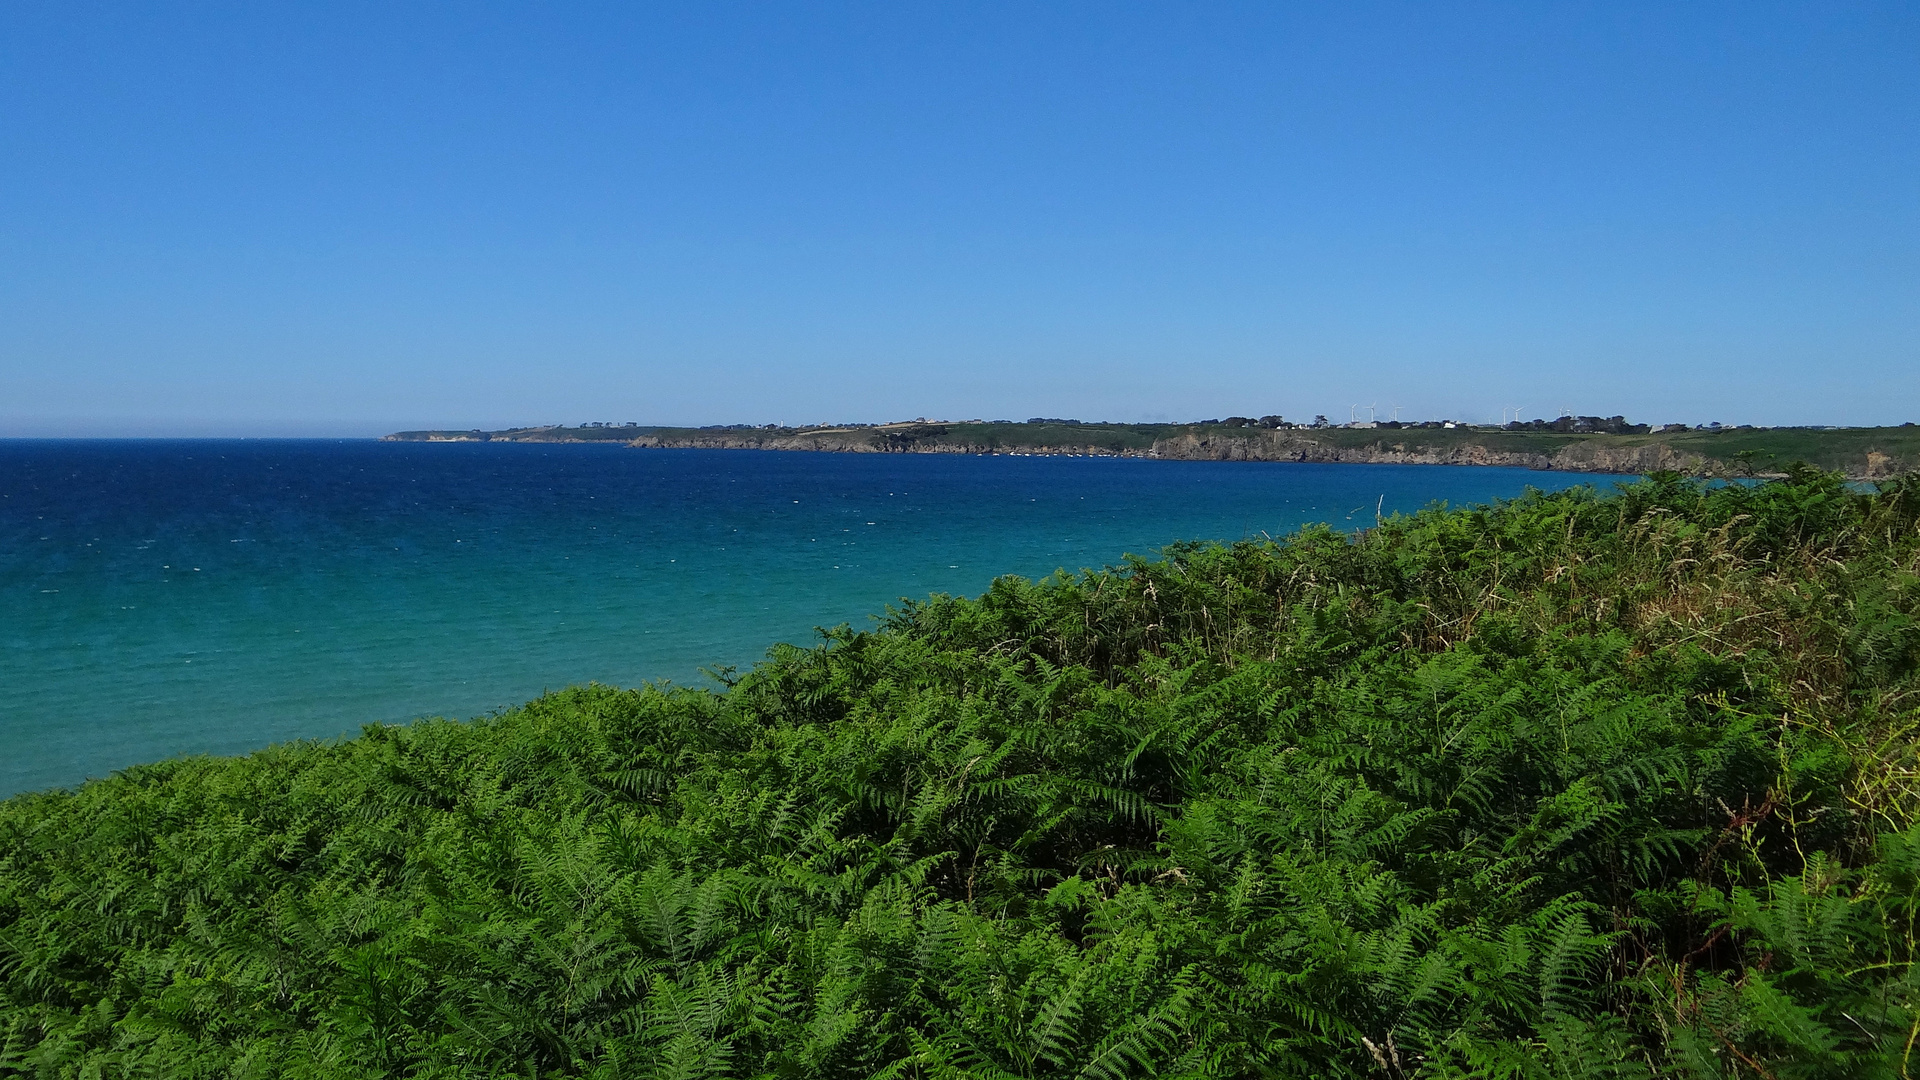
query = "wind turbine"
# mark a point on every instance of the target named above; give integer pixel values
(1370, 418)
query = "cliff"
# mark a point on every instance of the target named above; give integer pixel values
(1861, 453)
(1575, 457)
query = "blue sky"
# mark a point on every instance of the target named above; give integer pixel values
(347, 218)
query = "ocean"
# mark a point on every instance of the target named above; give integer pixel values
(186, 597)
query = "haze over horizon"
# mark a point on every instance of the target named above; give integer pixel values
(357, 218)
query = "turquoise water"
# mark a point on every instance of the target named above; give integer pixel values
(160, 598)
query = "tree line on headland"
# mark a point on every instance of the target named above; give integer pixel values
(1571, 443)
(1614, 785)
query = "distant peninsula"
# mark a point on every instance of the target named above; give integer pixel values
(1571, 443)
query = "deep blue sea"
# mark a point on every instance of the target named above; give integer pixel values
(179, 597)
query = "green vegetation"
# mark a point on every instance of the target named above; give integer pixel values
(1723, 452)
(1839, 449)
(1571, 786)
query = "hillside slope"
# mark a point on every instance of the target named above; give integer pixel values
(1571, 786)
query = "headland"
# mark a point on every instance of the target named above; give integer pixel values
(1571, 444)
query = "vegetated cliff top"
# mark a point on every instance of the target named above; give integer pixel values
(1727, 451)
(1572, 785)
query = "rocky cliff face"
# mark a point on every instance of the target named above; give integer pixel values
(1394, 447)
(1264, 446)
(746, 440)
(857, 443)
(1283, 446)
(1651, 457)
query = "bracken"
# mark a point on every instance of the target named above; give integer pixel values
(1574, 785)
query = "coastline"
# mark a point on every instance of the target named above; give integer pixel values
(1859, 453)
(1201, 448)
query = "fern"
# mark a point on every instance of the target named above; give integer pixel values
(1573, 785)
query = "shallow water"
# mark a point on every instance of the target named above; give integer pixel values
(169, 597)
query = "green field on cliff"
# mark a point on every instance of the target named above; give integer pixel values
(1575, 785)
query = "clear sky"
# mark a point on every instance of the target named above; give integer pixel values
(346, 218)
